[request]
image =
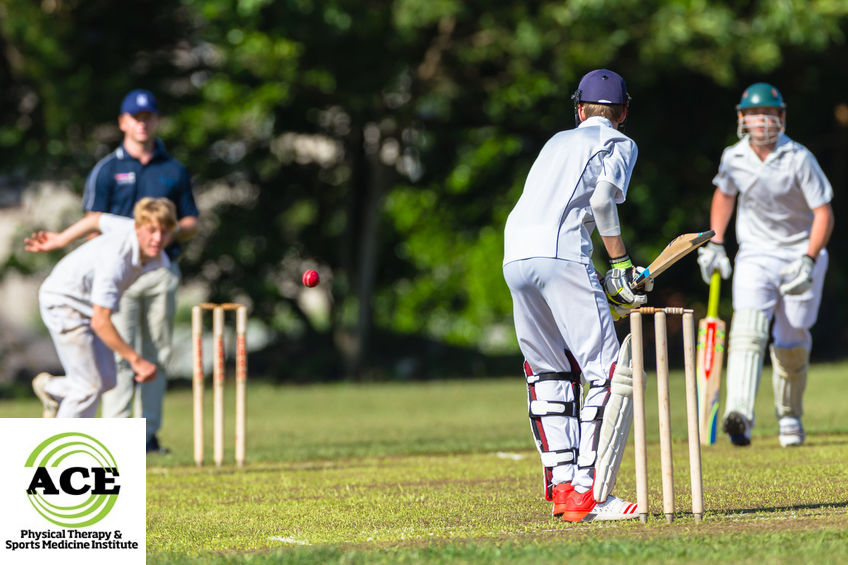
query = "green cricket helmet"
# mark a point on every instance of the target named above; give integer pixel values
(760, 128)
(761, 95)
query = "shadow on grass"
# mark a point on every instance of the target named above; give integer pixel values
(776, 509)
(830, 441)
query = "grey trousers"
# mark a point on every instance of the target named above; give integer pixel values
(145, 319)
(89, 365)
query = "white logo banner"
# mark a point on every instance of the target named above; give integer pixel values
(73, 491)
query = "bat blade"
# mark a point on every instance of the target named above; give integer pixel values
(711, 336)
(676, 250)
(710, 358)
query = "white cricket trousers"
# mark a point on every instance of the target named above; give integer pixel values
(89, 364)
(559, 306)
(756, 284)
(145, 319)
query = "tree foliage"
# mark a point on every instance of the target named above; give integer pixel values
(385, 142)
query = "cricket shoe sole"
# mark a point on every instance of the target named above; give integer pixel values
(737, 428)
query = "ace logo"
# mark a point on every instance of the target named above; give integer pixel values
(73, 491)
(75, 480)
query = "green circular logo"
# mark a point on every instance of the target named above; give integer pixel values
(73, 480)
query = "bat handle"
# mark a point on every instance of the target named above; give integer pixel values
(640, 279)
(715, 290)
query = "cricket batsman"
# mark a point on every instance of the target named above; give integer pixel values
(83, 289)
(562, 318)
(783, 222)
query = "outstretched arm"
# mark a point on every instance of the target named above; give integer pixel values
(43, 241)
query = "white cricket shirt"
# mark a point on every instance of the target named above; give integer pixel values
(100, 270)
(775, 197)
(553, 217)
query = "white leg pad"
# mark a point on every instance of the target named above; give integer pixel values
(615, 426)
(789, 379)
(747, 344)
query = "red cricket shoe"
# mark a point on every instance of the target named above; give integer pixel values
(561, 491)
(581, 507)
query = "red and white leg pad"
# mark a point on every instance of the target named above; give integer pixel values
(553, 406)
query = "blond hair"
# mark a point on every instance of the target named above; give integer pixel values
(160, 211)
(612, 112)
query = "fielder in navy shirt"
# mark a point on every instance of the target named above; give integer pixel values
(141, 167)
(120, 180)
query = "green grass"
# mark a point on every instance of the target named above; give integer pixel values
(445, 472)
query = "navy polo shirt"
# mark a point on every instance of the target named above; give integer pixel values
(119, 180)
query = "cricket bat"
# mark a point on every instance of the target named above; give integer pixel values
(678, 248)
(711, 335)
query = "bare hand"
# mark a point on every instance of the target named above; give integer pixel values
(144, 370)
(42, 241)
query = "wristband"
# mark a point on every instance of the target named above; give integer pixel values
(622, 262)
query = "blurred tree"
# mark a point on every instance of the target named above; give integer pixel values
(64, 67)
(385, 142)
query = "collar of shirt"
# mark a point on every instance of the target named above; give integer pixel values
(595, 121)
(743, 147)
(783, 143)
(158, 151)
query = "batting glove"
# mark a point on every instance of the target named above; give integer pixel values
(800, 274)
(712, 257)
(648, 285)
(618, 312)
(622, 311)
(617, 284)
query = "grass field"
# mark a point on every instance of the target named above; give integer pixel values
(446, 472)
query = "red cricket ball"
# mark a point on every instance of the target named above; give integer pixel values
(311, 278)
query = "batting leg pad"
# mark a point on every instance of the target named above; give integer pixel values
(615, 425)
(745, 353)
(553, 401)
(789, 379)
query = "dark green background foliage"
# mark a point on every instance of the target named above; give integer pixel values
(385, 142)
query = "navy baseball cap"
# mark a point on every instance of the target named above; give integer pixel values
(602, 86)
(139, 100)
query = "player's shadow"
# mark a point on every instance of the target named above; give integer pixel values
(732, 512)
(828, 441)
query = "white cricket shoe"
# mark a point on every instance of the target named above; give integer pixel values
(39, 384)
(582, 507)
(612, 509)
(791, 432)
